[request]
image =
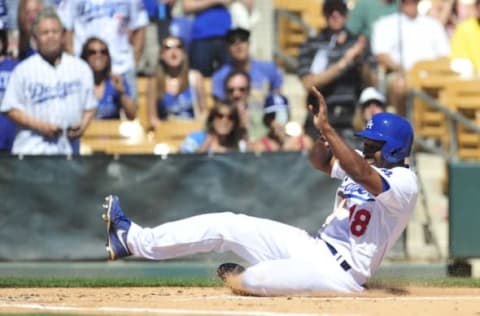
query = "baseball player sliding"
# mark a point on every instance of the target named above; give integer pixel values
(373, 204)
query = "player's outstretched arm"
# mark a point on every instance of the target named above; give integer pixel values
(350, 161)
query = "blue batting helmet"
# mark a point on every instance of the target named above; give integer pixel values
(396, 133)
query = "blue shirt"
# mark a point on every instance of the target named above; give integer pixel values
(211, 22)
(193, 142)
(180, 105)
(7, 127)
(261, 73)
(109, 105)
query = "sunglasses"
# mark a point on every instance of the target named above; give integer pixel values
(221, 116)
(233, 89)
(172, 43)
(91, 52)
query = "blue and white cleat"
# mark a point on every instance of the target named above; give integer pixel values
(118, 225)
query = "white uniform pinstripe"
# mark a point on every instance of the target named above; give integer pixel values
(55, 94)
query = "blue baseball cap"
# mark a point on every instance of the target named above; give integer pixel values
(274, 103)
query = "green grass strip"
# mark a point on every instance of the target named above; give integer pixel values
(213, 282)
(107, 282)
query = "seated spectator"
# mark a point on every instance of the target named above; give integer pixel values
(399, 40)
(223, 133)
(265, 77)
(371, 102)
(334, 62)
(465, 40)
(26, 13)
(50, 94)
(175, 90)
(280, 137)
(237, 89)
(112, 91)
(7, 64)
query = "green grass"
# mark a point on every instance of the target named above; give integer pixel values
(213, 282)
(107, 282)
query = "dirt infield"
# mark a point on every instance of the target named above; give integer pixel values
(220, 301)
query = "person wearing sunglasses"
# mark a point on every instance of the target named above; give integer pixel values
(175, 90)
(112, 91)
(265, 76)
(223, 133)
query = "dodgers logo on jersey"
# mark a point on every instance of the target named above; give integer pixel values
(40, 93)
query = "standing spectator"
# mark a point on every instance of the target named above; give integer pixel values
(333, 62)
(26, 14)
(7, 64)
(50, 94)
(465, 40)
(401, 39)
(279, 138)
(176, 90)
(366, 12)
(211, 22)
(118, 23)
(265, 77)
(223, 133)
(112, 91)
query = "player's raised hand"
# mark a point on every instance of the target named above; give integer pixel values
(320, 117)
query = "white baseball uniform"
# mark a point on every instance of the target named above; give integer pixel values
(286, 260)
(55, 94)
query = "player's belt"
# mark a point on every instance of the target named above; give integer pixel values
(343, 263)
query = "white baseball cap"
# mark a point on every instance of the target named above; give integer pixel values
(371, 94)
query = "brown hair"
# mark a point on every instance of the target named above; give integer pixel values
(161, 72)
(238, 132)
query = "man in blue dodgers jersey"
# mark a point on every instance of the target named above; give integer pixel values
(50, 94)
(374, 202)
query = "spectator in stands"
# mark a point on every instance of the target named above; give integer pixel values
(119, 23)
(401, 39)
(50, 94)
(27, 11)
(333, 62)
(176, 90)
(112, 91)
(366, 12)
(7, 64)
(265, 77)
(223, 133)
(465, 40)
(237, 87)
(371, 102)
(211, 22)
(159, 16)
(282, 135)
